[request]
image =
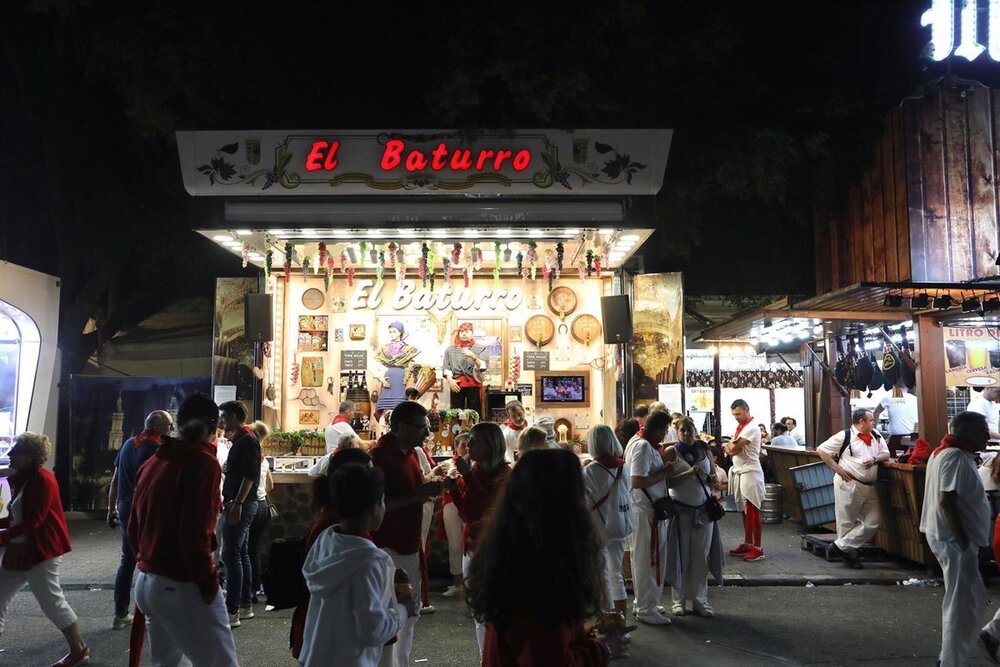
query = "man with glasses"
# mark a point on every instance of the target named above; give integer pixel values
(405, 494)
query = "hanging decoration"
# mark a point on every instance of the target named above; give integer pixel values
(328, 274)
(430, 268)
(533, 258)
(350, 276)
(288, 261)
(245, 254)
(506, 255)
(597, 266)
(268, 263)
(446, 263)
(295, 372)
(496, 265)
(547, 271)
(520, 264)
(351, 255)
(606, 255)
(466, 276)
(400, 263)
(477, 258)
(422, 264)
(364, 252)
(322, 256)
(305, 269)
(515, 371)
(392, 255)
(456, 254)
(380, 269)
(581, 266)
(373, 256)
(560, 252)
(590, 263)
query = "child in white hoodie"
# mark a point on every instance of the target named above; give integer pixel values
(353, 608)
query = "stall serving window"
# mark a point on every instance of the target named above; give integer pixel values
(19, 347)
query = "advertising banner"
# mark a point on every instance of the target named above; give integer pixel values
(972, 356)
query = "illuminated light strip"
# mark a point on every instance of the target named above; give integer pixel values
(968, 47)
(993, 38)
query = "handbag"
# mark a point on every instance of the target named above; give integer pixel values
(663, 508)
(272, 509)
(713, 507)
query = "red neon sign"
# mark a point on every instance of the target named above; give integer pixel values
(323, 155)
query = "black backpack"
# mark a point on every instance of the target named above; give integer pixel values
(847, 442)
(283, 582)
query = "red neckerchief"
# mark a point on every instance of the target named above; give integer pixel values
(740, 427)
(241, 431)
(465, 343)
(865, 438)
(340, 419)
(612, 462)
(953, 441)
(514, 427)
(656, 445)
(144, 436)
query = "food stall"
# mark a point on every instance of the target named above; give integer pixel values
(388, 253)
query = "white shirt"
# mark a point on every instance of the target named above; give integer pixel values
(334, 433)
(798, 436)
(262, 486)
(786, 441)
(643, 460)
(988, 409)
(955, 470)
(854, 456)
(748, 460)
(902, 413)
(510, 438)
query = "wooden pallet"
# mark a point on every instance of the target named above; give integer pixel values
(822, 546)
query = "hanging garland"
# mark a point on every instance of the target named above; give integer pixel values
(520, 263)
(496, 265)
(268, 263)
(477, 258)
(288, 261)
(456, 254)
(380, 269)
(422, 264)
(350, 276)
(327, 275)
(400, 264)
(590, 263)
(245, 254)
(533, 257)
(430, 268)
(322, 255)
(560, 251)
(447, 270)
(392, 255)
(597, 266)
(581, 266)
(515, 371)
(466, 276)
(364, 252)
(606, 254)
(351, 255)
(305, 269)
(295, 372)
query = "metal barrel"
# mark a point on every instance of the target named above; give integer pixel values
(771, 510)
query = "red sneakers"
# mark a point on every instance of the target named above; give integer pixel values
(754, 553)
(740, 550)
(74, 658)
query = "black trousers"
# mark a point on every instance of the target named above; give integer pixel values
(468, 398)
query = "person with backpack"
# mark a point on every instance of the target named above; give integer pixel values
(609, 496)
(694, 543)
(854, 455)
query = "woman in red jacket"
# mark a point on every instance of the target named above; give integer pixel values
(538, 571)
(36, 537)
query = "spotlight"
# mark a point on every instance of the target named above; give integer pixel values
(920, 301)
(971, 305)
(892, 300)
(944, 302)
(991, 305)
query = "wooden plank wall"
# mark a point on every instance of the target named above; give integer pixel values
(928, 206)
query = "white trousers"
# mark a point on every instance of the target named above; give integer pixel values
(857, 511)
(694, 546)
(183, 630)
(649, 563)
(425, 523)
(453, 529)
(398, 654)
(614, 581)
(963, 602)
(480, 627)
(43, 580)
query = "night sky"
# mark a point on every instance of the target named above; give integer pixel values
(758, 93)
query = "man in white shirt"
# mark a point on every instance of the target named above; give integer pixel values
(648, 477)
(856, 471)
(746, 480)
(780, 437)
(512, 427)
(902, 411)
(985, 404)
(790, 425)
(340, 426)
(956, 521)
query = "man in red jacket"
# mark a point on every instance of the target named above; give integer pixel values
(172, 532)
(405, 494)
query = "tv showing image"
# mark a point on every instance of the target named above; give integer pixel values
(564, 389)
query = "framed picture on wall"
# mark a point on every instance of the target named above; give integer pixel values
(309, 417)
(516, 335)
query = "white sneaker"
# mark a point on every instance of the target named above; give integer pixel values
(234, 620)
(120, 622)
(429, 609)
(678, 609)
(704, 610)
(452, 591)
(652, 618)
(246, 613)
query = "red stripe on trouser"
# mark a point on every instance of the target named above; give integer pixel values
(751, 524)
(654, 548)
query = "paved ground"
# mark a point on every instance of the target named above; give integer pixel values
(769, 618)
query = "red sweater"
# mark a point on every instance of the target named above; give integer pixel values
(174, 512)
(43, 523)
(473, 497)
(400, 529)
(528, 644)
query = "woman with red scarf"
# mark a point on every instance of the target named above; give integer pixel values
(464, 366)
(36, 537)
(476, 490)
(607, 482)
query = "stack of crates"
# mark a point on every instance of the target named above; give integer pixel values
(814, 483)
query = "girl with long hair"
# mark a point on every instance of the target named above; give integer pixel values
(538, 571)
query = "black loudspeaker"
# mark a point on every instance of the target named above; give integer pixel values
(616, 311)
(257, 324)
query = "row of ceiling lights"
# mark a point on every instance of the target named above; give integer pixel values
(923, 301)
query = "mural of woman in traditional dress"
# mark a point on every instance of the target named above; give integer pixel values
(395, 356)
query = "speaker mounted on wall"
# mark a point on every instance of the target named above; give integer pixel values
(257, 324)
(616, 312)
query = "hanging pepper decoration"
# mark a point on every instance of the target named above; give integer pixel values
(466, 276)
(446, 263)
(400, 264)
(533, 257)
(590, 263)
(520, 263)
(392, 255)
(268, 263)
(422, 264)
(597, 266)
(380, 268)
(326, 274)
(305, 269)
(560, 251)
(295, 373)
(364, 252)
(350, 276)
(344, 262)
(288, 261)
(496, 265)
(322, 256)
(245, 254)
(430, 268)
(456, 253)
(547, 273)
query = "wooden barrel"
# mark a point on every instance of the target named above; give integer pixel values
(771, 511)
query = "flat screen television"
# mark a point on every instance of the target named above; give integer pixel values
(565, 389)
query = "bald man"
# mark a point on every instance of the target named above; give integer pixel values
(133, 453)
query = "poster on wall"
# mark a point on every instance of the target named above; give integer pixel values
(104, 412)
(972, 356)
(658, 330)
(233, 356)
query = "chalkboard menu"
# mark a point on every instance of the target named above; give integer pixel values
(353, 360)
(536, 361)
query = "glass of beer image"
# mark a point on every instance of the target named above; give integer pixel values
(978, 355)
